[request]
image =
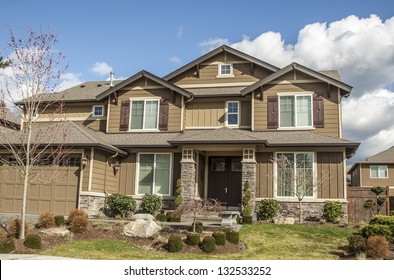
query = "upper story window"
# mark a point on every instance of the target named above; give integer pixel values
(295, 110)
(379, 171)
(98, 111)
(144, 114)
(225, 70)
(232, 109)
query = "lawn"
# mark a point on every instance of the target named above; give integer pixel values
(263, 241)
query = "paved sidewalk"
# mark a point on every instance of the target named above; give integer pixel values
(31, 257)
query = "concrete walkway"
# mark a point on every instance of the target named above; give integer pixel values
(31, 257)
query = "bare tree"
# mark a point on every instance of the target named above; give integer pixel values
(197, 207)
(295, 177)
(33, 73)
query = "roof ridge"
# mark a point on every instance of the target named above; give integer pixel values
(83, 131)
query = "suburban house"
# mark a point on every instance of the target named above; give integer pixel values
(7, 119)
(214, 123)
(373, 171)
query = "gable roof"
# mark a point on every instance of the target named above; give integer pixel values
(325, 76)
(139, 75)
(385, 157)
(7, 117)
(216, 51)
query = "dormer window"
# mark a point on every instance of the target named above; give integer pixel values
(225, 70)
(98, 111)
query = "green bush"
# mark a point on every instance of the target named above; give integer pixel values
(178, 193)
(220, 237)
(79, 224)
(357, 244)
(121, 204)
(247, 208)
(7, 246)
(392, 213)
(332, 211)
(382, 220)
(232, 237)
(377, 247)
(208, 244)
(247, 220)
(171, 217)
(175, 243)
(32, 241)
(199, 227)
(376, 230)
(59, 220)
(161, 217)
(193, 239)
(46, 220)
(151, 203)
(14, 228)
(268, 209)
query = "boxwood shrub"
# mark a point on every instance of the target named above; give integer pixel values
(121, 205)
(208, 244)
(193, 239)
(220, 237)
(332, 211)
(268, 209)
(151, 203)
(32, 241)
(175, 243)
(377, 230)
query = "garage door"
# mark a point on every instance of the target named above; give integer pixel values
(53, 189)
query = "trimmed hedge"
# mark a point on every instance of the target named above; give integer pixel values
(121, 204)
(268, 209)
(357, 244)
(193, 239)
(232, 237)
(220, 237)
(247, 220)
(59, 220)
(161, 217)
(208, 244)
(32, 241)
(376, 230)
(7, 246)
(332, 211)
(150, 203)
(175, 243)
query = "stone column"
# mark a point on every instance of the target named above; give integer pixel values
(249, 174)
(188, 179)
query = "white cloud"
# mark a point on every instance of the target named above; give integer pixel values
(362, 50)
(101, 68)
(176, 60)
(68, 80)
(210, 44)
(179, 33)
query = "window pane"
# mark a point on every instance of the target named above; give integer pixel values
(304, 177)
(304, 111)
(287, 111)
(374, 171)
(137, 114)
(382, 171)
(145, 182)
(98, 111)
(232, 119)
(225, 69)
(162, 174)
(151, 112)
(285, 167)
(232, 113)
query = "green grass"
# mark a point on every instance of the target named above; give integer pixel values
(263, 241)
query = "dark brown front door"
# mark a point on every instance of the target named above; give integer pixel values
(225, 180)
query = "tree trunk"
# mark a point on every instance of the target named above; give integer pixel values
(300, 211)
(26, 179)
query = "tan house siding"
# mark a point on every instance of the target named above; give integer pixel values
(330, 175)
(264, 175)
(104, 180)
(331, 104)
(127, 174)
(367, 181)
(174, 114)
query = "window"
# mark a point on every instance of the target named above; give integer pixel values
(379, 171)
(225, 70)
(154, 174)
(98, 111)
(144, 114)
(295, 175)
(248, 154)
(187, 154)
(295, 111)
(232, 113)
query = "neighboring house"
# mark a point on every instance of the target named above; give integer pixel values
(7, 119)
(376, 170)
(215, 123)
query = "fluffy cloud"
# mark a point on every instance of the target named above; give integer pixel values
(68, 80)
(210, 44)
(176, 60)
(362, 50)
(101, 68)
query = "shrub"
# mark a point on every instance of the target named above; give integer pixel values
(7, 246)
(247, 208)
(376, 230)
(377, 247)
(59, 220)
(121, 204)
(392, 213)
(79, 224)
(3, 235)
(32, 241)
(382, 220)
(199, 227)
(175, 243)
(247, 220)
(357, 244)
(232, 237)
(171, 217)
(268, 209)
(220, 237)
(178, 193)
(161, 217)
(46, 220)
(193, 239)
(208, 244)
(74, 213)
(14, 228)
(332, 211)
(151, 203)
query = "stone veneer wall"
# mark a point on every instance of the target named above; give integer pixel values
(311, 211)
(188, 179)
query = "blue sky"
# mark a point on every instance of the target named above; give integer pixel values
(356, 37)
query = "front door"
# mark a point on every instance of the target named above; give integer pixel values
(225, 180)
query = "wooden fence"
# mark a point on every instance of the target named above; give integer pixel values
(356, 197)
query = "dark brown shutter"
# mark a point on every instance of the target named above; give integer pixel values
(318, 111)
(272, 111)
(163, 119)
(124, 115)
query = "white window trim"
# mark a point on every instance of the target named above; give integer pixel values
(239, 114)
(143, 117)
(220, 75)
(378, 165)
(93, 110)
(283, 94)
(314, 171)
(137, 177)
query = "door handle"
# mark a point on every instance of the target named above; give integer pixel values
(225, 189)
